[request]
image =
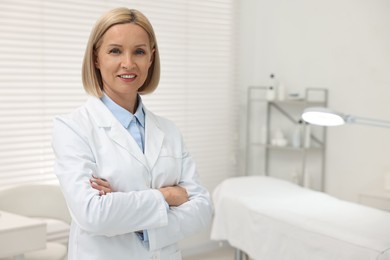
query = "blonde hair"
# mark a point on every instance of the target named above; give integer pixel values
(92, 79)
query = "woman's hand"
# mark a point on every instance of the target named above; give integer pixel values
(100, 184)
(174, 195)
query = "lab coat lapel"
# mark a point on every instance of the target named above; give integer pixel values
(154, 138)
(105, 119)
(120, 136)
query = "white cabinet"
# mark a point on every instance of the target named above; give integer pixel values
(279, 143)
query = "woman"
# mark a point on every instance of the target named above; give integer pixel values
(130, 184)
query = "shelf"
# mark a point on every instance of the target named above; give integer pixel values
(274, 147)
(267, 118)
(299, 102)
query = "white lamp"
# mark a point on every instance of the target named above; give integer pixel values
(326, 117)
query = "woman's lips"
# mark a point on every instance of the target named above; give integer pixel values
(127, 77)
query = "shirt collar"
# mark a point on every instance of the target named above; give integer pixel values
(122, 115)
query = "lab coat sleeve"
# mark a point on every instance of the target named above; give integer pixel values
(188, 218)
(113, 214)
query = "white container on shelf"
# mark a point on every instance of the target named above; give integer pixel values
(271, 93)
(296, 138)
(278, 138)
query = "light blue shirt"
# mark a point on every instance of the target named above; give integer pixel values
(135, 124)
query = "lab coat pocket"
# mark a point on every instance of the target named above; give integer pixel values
(170, 151)
(167, 170)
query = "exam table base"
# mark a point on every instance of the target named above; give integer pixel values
(240, 255)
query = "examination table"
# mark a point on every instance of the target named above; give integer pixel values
(273, 219)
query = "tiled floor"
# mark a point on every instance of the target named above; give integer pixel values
(225, 253)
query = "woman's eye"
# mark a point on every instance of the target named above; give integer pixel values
(140, 52)
(115, 51)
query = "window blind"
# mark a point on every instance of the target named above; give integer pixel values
(42, 44)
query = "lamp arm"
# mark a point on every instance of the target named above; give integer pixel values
(367, 121)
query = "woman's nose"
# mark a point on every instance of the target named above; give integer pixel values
(127, 62)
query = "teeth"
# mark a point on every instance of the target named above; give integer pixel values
(127, 76)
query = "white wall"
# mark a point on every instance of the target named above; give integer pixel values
(342, 45)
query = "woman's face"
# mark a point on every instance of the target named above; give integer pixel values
(123, 59)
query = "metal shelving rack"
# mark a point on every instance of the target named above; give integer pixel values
(281, 108)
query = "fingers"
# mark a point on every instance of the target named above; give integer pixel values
(100, 181)
(100, 184)
(102, 190)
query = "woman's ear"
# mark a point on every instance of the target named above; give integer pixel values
(96, 63)
(152, 56)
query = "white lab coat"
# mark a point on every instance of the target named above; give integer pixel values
(91, 141)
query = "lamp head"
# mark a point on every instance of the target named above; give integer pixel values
(323, 116)
(327, 117)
